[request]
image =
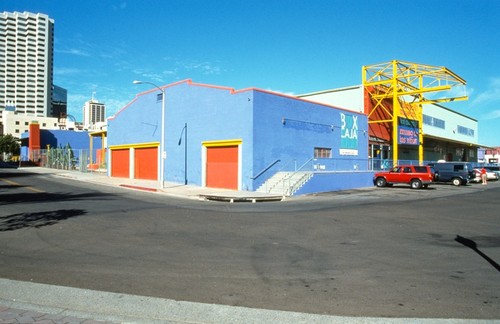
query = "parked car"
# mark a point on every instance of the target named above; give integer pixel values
(416, 176)
(458, 173)
(490, 175)
(492, 168)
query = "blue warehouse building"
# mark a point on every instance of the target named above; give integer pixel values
(248, 139)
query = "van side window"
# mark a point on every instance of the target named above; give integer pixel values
(458, 167)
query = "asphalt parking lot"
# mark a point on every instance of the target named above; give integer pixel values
(374, 252)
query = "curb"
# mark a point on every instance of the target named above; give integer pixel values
(138, 187)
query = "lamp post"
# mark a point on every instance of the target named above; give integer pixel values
(185, 132)
(163, 154)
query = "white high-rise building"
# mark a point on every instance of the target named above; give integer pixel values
(26, 59)
(94, 114)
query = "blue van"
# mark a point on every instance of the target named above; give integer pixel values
(458, 173)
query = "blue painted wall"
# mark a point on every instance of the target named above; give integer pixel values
(289, 129)
(61, 138)
(323, 182)
(139, 122)
(211, 114)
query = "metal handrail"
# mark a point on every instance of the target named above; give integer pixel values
(291, 175)
(265, 169)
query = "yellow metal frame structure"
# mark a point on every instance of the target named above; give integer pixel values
(405, 84)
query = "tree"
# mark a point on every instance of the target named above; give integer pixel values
(9, 144)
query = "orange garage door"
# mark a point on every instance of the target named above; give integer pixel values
(120, 163)
(146, 163)
(222, 167)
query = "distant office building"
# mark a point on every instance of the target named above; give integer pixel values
(16, 124)
(26, 62)
(94, 114)
(59, 102)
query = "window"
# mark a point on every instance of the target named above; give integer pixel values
(322, 152)
(432, 121)
(17, 122)
(420, 169)
(465, 131)
(26, 123)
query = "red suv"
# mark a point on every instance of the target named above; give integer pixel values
(416, 176)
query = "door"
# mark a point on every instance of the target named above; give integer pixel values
(222, 167)
(146, 163)
(120, 163)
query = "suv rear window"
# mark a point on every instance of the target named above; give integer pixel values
(420, 169)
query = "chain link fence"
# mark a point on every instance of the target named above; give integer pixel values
(69, 159)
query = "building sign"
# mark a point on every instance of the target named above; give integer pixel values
(407, 131)
(349, 134)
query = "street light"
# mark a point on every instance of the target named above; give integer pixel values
(163, 154)
(185, 132)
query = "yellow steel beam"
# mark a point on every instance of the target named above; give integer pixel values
(455, 76)
(421, 69)
(415, 92)
(380, 121)
(433, 101)
(380, 72)
(381, 82)
(395, 115)
(420, 119)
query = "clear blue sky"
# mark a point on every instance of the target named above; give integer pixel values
(290, 46)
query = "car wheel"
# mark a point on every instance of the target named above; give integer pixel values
(416, 184)
(456, 181)
(380, 182)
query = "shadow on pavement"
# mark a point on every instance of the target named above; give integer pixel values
(472, 245)
(38, 197)
(10, 186)
(6, 175)
(9, 165)
(36, 220)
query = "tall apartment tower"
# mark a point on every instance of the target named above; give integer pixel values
(94, 114)
(26, 59)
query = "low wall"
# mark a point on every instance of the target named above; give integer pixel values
(336, 181)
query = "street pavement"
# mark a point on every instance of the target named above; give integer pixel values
(28, 302)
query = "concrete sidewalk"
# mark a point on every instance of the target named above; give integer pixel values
(27, 302)
(169, 188)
